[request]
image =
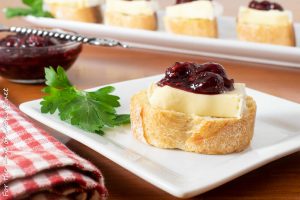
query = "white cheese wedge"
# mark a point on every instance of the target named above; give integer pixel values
(130, 7)
(229, 104)
(192, 10)
(271, 17)
(74, 3)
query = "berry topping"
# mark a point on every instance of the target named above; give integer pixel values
(184, 1)
(265, 5)
(24, 41)
(180, 71)
(212, 67)
(207, 78)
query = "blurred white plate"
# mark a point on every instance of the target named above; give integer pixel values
(183, 174)
(226, 46)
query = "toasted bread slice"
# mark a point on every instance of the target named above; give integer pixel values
(88, 14)
(147, 22)
(175, 130)
(193, 27)
(271, 34)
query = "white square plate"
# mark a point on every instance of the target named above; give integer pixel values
(184, 174)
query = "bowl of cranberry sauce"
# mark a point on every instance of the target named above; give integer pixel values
(24, 57)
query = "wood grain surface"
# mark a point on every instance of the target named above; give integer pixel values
(279, 180)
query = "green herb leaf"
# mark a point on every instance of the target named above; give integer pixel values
(103, 95)
(57, 80)
(122, 119)
(91, 111)
(15, 12)
(35, 8)
(30, 2)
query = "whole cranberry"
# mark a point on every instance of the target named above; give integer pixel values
(36, 41)
(180, 70)
(276, 6)
(252, 4)
(11, 41)
(212, 67)
(228, 83)
(208, 83)
(265, 4)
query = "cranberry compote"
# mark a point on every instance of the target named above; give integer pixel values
(265, 5)
(185, 1)
(207, 78)
(24, 57)
(23, 41)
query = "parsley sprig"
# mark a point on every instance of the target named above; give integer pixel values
(34, 8)
(91, 111)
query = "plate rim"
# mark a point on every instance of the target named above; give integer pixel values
(213, 47)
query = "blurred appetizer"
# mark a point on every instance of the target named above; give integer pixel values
(192, 17)
(137, 14)
(76, 10)
(196, 108)
(266, 22)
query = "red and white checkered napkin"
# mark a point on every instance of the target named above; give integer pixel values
(34, 165)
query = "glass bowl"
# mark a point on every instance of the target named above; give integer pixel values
(26, 64)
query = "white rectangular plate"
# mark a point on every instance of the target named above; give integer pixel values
(184, 174)
(226, 46)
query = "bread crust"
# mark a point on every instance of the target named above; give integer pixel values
(88, 14)
(271, 34)
(174, 130)
(193, 27)
(147, 22)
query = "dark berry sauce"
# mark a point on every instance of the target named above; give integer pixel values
(265, 5)
(185, 1)
(23, 57)
(24, 41)
(207, 78)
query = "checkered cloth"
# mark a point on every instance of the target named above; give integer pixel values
(34, 165)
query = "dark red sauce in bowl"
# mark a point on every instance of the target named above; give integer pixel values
(24, 57)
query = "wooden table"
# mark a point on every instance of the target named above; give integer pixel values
(278, 180)
(97, 66)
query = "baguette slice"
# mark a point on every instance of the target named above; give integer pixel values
(192, 27)
(147, 22)
(206, 135)
(271, 34)
(87, 14)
